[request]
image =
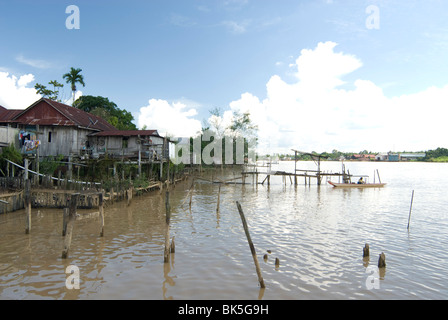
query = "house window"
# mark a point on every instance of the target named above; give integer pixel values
(49, 136)
(125, 142)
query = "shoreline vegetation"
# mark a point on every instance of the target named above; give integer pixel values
(436, 155)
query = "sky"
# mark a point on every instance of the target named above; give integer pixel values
(315, 75)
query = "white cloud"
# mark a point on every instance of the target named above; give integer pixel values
(236, 27)
(69, 101)
(40, 64)
(321, 111)
(15, 93)
(175, 119)
(316, 114)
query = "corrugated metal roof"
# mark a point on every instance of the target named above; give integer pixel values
(126, 133)
(72, 115)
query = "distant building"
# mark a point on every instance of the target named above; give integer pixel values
(381, 157)
(393, 157)
(363, 157)
(412, 156)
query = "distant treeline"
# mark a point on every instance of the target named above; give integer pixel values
(437, 155)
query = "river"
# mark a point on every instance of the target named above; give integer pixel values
(316, 232)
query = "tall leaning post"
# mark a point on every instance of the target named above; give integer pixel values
(71, 221)
(251, 245)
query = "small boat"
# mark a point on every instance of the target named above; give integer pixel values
(357, 185)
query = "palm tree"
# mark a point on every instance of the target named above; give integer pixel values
(73, 77)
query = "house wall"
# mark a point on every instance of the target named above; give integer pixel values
(115, 146)
(56, 140)
(9, 135)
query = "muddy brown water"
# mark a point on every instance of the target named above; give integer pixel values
(317, 233)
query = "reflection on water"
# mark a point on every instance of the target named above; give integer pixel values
(317, 233)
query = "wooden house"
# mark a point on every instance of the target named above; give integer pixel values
(50, 128)
(146, 145)
(53, 128)
(8, 134)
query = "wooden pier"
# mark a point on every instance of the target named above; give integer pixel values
(306, 174)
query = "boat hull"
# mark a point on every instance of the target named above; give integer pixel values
(356, 185)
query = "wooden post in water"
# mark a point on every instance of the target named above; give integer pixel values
(219, 196)
(382, 260)
(173, 246)
(101, 210)
(27, 206)
(251, 245)
(366, 251)
(167, 228)
(64, 221)
(71, 221)
(191, 193)
(410, 209)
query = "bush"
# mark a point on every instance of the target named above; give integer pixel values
(12, 154)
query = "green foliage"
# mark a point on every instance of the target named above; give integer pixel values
(435, 154)
(12, 154)
(47, 93)
(73, 77)
(108, 110)
(49, 165)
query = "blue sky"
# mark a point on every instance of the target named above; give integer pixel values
(179, 59)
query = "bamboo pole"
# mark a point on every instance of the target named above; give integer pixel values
(410, 209)
(167, 228)
(71, 220)
(251, 245)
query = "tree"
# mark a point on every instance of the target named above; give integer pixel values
(56, 85)
(47, 93)
(42, 90)
(242, 126)
(73, 77)
(108, 110)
